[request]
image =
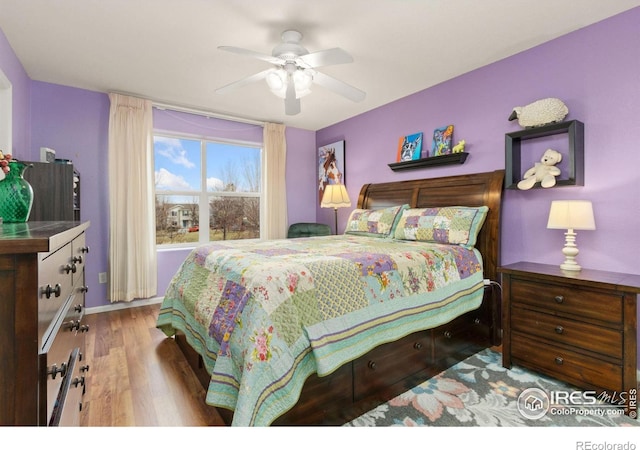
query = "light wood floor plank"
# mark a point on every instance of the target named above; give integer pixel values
(138, 376)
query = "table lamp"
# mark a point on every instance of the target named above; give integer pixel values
(571, 215)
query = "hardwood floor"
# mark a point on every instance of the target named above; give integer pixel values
(138, 376)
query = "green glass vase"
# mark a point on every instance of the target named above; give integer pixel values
(16, 194)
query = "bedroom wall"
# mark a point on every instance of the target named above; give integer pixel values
(595, 72)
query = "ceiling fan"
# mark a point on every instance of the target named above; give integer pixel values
(295, 71)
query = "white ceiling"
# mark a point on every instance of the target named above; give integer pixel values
(166, 50)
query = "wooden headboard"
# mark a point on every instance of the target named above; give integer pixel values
(475, 189)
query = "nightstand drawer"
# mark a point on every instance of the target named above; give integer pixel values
(564, 364)
(594, 338)
(602, 306)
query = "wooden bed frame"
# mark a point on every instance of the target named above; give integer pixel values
(396, 367)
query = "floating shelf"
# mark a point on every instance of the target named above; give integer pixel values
(574, 153)
(443, 160)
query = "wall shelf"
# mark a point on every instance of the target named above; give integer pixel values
(443, 160)
(574, 154)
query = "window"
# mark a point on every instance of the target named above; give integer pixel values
(206, 190)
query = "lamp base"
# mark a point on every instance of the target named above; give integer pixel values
(571, 266)
(570, 252)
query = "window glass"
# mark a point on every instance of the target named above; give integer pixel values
(205, 186)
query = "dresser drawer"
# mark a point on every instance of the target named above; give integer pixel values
(55, 284)
(56, 359)
(568, 300)
(390, 363)
(79, 252)
(564, 364)
(68, 404)
(586, 336)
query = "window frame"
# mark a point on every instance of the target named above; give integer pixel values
(203, 195)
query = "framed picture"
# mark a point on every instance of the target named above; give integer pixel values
(410, 147)
(442, 138)
(330, 166)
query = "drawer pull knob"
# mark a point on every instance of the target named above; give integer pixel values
(559, 329)
(83, 328)
(77, 259)
(559, 299)
(559, 360)
(70, 268)
(73, 325)
(55, 370)
(448, 334)
(78, 308)
(476, 321)
(84, 289)
(372, 365)
(78, 381)
(56, 291)
(417, 345)
(84, 368)
(84, 249)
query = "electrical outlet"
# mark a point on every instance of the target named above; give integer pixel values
(102, 277)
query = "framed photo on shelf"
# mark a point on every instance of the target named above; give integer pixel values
(409, 147)
(442, 138)
(331, 167)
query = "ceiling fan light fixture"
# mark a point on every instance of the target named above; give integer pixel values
(277, 80)
(303, 79)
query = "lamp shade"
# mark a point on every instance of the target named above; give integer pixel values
(335, 196)
(571, 214)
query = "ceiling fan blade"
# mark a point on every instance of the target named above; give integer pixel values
(291, 103)
(243, 82)
(339, 87)
(328, 57)
(252, 54)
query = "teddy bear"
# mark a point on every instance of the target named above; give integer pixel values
(544, 171)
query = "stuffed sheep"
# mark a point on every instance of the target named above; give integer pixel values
(539, 113)
(544, 171)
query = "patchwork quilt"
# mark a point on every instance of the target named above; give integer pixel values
(267, 314)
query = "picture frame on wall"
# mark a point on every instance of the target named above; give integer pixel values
(409, 147)
(442, 139)
(331, 166)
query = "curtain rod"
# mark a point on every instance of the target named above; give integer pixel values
(201, 112)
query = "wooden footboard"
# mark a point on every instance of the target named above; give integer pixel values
(381, 374)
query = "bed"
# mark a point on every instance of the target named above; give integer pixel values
(319, 330)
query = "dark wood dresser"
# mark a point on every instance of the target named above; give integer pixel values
(577, 327)
(42, 290)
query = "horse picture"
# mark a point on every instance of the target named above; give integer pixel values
(330, 166)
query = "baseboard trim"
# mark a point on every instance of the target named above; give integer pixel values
(123, 305)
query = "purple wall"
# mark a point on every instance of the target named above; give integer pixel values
(595, 72)
(75, 123)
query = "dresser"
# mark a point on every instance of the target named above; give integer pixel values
(577, 327)
(42, 335)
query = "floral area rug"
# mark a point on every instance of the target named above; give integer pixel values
(480, 392)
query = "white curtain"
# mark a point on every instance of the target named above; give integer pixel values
(274, 186)
(132, 247)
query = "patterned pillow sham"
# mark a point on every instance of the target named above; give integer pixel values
(446, 225)
(374, 222)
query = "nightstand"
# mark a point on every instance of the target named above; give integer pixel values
(576, 327)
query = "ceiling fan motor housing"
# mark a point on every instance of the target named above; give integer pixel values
(290, 49)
